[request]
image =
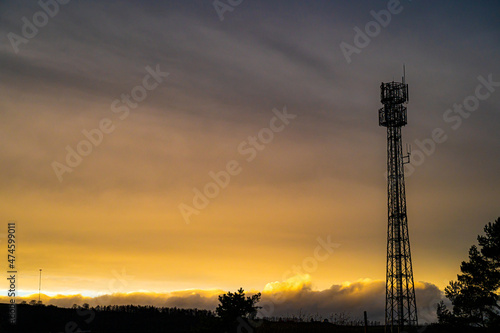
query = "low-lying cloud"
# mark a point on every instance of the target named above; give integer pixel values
(292, 297)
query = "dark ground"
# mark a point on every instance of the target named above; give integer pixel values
(131, 319)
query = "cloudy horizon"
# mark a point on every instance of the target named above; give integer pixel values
(291, 298)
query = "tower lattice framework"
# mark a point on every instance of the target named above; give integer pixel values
(400, 303)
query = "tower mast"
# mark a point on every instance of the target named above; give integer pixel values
(39, 286)
(400, 303)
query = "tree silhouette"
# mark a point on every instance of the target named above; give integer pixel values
(474, 294)
(234, 305)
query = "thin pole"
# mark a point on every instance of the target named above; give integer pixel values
(39, 285)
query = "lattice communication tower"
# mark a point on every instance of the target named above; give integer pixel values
(400, 303)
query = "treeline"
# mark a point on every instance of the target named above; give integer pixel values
(147, 309)
(40, 318)
(113, 318)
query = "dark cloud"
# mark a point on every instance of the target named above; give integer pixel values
(294, 298)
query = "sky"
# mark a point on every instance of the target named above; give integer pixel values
(166, 152)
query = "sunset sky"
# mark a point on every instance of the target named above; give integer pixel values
(171, 93)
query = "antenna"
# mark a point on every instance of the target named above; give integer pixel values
(408, 154)
(406, 92)
(39, 285)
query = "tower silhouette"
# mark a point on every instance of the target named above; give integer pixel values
(400, 303)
